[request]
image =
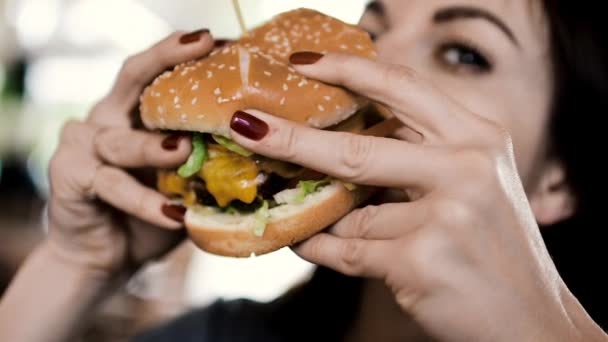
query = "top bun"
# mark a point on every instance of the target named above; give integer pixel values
(254, 73)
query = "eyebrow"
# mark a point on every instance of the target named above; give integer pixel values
(459, 13)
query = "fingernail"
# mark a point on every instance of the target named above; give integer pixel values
(175, 212)
(221, 42)
(305, 57)
(193, 36)
(171, 143)
(248, 126)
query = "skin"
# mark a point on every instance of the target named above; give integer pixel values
(462, 266)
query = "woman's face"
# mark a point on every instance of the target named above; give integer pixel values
(490, 55)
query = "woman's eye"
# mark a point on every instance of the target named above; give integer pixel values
(463, 58)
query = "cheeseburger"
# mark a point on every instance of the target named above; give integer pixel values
(240, 203)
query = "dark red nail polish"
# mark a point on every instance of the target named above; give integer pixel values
(193, 36)
(221, 42)
(248, 126)
(172, 142)
(175, 212)
(305, 57)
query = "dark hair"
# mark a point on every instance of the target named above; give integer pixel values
(579, 58)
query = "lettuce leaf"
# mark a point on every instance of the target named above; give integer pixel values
(231, 145)
(198, 156)
(262, 215)
(309, 187)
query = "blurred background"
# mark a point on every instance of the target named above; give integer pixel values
(57, 57)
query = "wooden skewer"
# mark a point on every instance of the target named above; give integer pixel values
(239, 16)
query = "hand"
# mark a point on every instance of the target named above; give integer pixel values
(101, 217)
(465, 258)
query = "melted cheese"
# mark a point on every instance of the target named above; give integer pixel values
(229, 176)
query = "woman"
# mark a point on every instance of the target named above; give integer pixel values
(490, 91)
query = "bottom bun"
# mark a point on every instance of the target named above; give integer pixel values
(232, 235)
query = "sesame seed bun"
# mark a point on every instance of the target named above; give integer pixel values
(254, 73)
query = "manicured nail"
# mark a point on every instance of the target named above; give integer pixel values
(193, 36)
(305, 57)
(175, 212)
(248, 126)
(221, 42)
(171, 143)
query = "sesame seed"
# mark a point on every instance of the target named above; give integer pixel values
(194, 100)
(226, 51)
(343, 47)
(256, 84)
(172, 91)
(221, 66)
(289, 77)
(209, 73)
(162, 121)
(176, 100)
(232, 67)
(160, 110)
(267, 73)
(217, 91)
(282, 101)
(184, 117)
(302, 83)
(200, 116)
(190, 80)
(178, 106)
(317, 41)
(316, 86)
(195, 86)
(327, 98)
(321, 108)
(285, 87)
(183, 73)
(359, 47)
(214, 64)
(338, 107)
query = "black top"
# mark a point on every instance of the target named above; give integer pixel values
(320, 310)
(325, 307)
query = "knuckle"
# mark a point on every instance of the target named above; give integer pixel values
(352, 256)
(452, 213)
(288, 143)
(476, 163)
(421, 253)
(70, 131)
(363, 220)
(131, 69)
(355, 156)
(397, 75)
(108, 146)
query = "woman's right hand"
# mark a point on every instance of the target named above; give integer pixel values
(100, 217)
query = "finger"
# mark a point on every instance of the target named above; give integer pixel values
(350, 157)
(384, 222)
(123, 192)
(353, 257)
(129, 149)
(415, 101)
(139, 70)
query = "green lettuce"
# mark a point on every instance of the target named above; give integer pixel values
(309, 187)
(232, 146)
(198, 156)
(262, 215)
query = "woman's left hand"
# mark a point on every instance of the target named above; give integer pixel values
(465, 258)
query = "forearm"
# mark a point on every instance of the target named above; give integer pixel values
(49, 299)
